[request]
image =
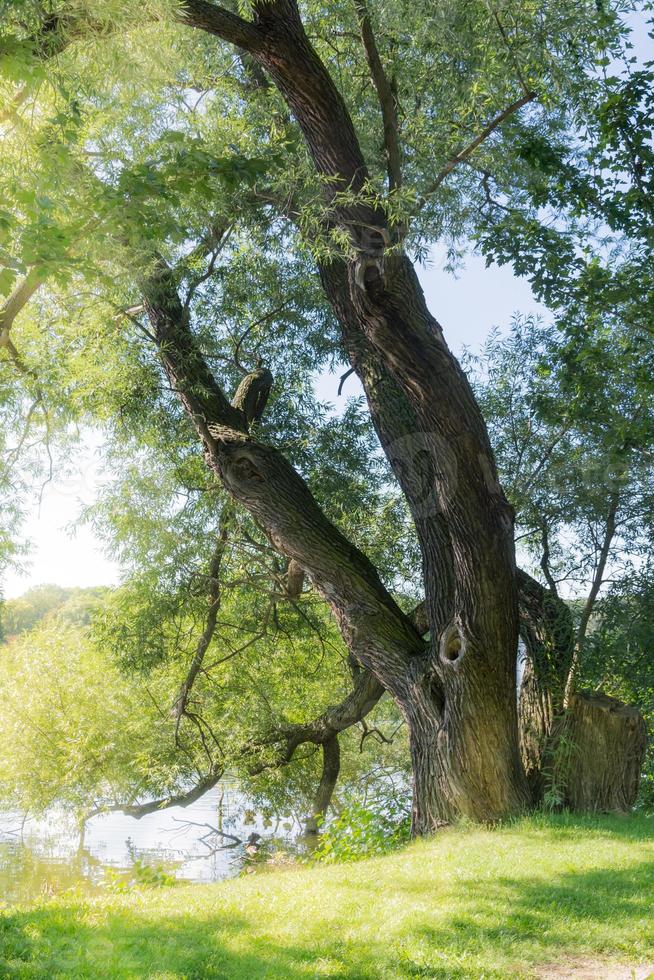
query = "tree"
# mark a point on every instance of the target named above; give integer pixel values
(574, 438)
(350, 145)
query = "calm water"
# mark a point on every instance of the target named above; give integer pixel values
(47, 857)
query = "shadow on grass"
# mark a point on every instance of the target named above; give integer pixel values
(55, 941)
(493, 925)
(573, 826)
(603, 911)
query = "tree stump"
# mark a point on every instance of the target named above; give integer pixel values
(607, 742)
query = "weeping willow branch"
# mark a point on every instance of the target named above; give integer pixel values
(184, 799)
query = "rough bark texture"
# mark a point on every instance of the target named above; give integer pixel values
(294, 580)
(608, 741)
(331, 766)
(463, 703)
(380, 635)
(546, 630)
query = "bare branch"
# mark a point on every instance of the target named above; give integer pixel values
(211, 832)
(344, 378)
(545, 557)
(139, 810)
(214, 243)
(598, 580)
(356, 705)
(252, 326)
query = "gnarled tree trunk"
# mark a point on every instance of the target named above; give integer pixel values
(331, 767)
(457, 692)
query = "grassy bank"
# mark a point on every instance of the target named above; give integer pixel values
(469, 903)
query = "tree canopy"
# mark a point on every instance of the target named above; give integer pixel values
(205, 208)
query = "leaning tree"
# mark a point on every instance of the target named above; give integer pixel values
(139, 137)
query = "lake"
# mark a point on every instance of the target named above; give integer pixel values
(40, 858)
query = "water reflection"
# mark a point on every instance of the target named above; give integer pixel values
(39, 858)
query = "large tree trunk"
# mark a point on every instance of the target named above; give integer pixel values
(606, 742)
(461, 705)
(331, 767)
(461, 761)
(462, 718)
(458, 693)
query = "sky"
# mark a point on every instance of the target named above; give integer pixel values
(468, 306)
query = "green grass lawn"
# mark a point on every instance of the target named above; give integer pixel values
(469, 903)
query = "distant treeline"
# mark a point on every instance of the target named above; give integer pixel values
(74, 605)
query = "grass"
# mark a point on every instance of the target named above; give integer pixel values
(469, 903)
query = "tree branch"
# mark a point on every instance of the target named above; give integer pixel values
(58, 30)
(385, 94)
(331, 767)
(252, 394)
(259, 477)
(361, 700)
(213, 598)
(598, 579)
(139, 810)
(545, 557)
(15, 303)
(356, 705)
(217, 20)
(477, 141)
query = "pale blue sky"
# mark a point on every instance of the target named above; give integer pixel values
(467, 306)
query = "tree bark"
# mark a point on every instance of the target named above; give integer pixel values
(259, 477)
(470, 564)
(546, 630)
(461, 714)
(607, 741)
(331, 767)
(459, 701)
(461, 761)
